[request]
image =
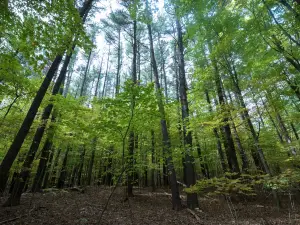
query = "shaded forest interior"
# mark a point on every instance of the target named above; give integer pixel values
(149, 112)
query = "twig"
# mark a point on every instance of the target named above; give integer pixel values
(115, 187)
(194, 214)
(13, 219)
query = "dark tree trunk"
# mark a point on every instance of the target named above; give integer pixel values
(272, 121)
(132, 135)
(54, 168)
(163, 67)
(192, 199)
(130, 163)
(203, 165)
(257, 108)
(91, 163)
(245, 161)
(219, 144)
(63, 171)
(119, 63)
(153, 160)
(46, 178)
(106, 73)
(73, 176)
(42, 167)
(85, 75)
(258, 155)
(294, 130)
(13, 181)
(80, 167)
(98, 79)
(176, 201)
(227, 136)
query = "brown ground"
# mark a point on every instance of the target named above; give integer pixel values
(71, 207)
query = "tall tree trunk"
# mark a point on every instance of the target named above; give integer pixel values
(257, 155)
(98, 79)
(63, 171)
(131, 134)
(119, 63)
(24, 129)
(217, 136)
(153, 160)
(257, 108)
(106, 73)
(44, 159)
(85, 75)
(176, 201)
(163, 67)
(192, 199)
(54, 168)
(272, 121)
(228, 140)
(80, 167)
(245, 161)
(48, 168)
(203, 164)
(91, 163)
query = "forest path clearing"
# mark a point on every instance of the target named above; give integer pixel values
(69, 207)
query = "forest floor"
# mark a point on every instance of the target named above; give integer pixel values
(59, 207)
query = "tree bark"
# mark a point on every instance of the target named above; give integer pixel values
(227, 136)
(219, 144)
(63, 171)
(85, 74)
(176, 201)
(106, 73)
(192, 199)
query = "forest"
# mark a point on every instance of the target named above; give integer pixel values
(150, 112)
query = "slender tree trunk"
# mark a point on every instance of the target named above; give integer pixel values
(176, 201)
(163, 67)
(245, 161)
(80, 168)
(42, 167)
(85, 75)
(258, 155)
(257, 108)
(131, 134)
(203, 164)
(46, 177)
(91, 163)
(192, 199)
(98, 79)
(228, 140)
(272, 121)
(130, 162)
(63, 171)
(219, 144)
(119, 63)
(153, 160)
(106, 73)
